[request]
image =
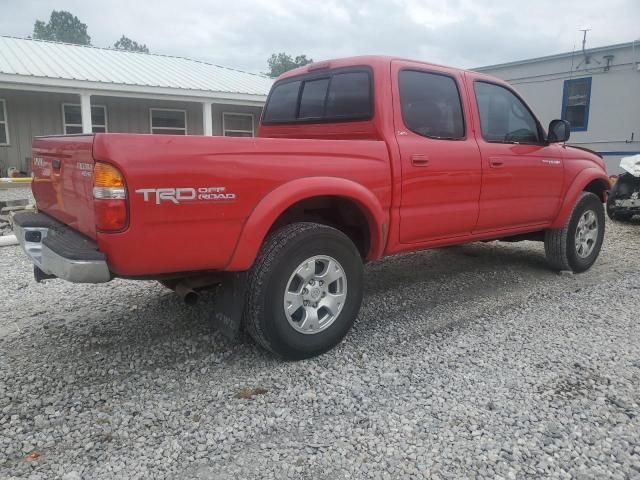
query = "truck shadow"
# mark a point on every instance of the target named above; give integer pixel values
(442, 265)
(423, 278)
(148, 327)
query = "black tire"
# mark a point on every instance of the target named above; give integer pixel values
(559, 244)
(282, 252)
(620, 217)
(611, 210)
(617, 216)
(623, 188)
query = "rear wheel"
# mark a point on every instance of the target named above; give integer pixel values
(304, 290)
(576, 246)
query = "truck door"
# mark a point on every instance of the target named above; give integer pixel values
(521, 174)
(439, 156)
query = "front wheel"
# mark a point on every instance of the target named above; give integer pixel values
(576, 246)
(304, 290)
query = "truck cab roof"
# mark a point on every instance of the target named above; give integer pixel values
(347, 98)
(364, 60)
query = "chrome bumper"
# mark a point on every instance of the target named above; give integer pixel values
(32, 232)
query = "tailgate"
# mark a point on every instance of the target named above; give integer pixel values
(63, 180)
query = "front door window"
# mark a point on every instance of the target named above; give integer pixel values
(504, 118)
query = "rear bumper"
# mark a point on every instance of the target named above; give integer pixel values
(58, 250)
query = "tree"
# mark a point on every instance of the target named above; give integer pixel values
(62, 27)
(283, 62)
(125, 43)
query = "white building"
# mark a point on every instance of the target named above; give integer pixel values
(597, 90)
(54, 88)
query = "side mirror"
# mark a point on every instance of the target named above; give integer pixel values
(559, 131)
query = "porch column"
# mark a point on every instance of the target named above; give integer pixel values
(207, 123)
(85, 110)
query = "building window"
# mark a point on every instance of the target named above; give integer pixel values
(576, 97)
(72, 118)
(4, 123)
(166, 121)
(237, 124)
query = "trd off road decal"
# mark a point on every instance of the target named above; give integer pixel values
(181, 195)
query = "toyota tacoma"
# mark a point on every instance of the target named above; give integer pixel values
(356, 159)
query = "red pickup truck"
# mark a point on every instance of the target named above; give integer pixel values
(356, 159)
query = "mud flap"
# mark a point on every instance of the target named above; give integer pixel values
(230, 301)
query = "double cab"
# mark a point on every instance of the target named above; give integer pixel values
(356, 159)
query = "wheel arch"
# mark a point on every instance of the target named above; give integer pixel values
(275, 205)
(589, 180)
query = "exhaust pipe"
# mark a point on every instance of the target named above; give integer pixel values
(186, 287)
(188, 294)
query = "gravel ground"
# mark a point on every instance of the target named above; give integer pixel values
(465, 362)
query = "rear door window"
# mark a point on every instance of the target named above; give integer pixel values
(431, 105)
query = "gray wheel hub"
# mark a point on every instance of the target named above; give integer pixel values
(586, 234)
(315, 294)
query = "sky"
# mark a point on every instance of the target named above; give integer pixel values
(244, 33)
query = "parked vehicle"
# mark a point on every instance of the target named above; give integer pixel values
(355, 159)
(624, 200)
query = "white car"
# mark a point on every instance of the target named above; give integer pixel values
(624, 199)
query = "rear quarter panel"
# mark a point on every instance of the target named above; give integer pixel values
(198, 234)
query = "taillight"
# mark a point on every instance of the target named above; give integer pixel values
(110, 198)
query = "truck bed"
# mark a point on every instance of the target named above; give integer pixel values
(189, 196)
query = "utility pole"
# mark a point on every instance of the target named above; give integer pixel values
(584, 36)
(584, 31)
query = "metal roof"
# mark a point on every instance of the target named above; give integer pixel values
(60, 64)
(557, 56)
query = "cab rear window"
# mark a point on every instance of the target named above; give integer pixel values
(334, 96)
(312, 99)
(283, 102)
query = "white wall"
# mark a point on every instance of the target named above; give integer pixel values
(614, 110)
(29, 114)
(39, 113)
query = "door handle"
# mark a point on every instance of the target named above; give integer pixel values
(496, 163)
(419, 160)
